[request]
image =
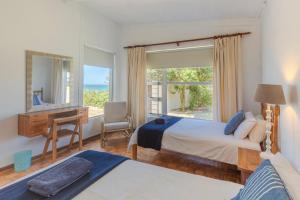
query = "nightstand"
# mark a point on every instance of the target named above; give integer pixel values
(248, 161)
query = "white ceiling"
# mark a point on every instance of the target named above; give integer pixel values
(153, 11)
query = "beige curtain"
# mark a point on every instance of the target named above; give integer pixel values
(136, 85)
(228, 77)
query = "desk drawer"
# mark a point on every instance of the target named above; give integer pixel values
(33, 125)
(38, 118)
(38, 125)
(38, 129)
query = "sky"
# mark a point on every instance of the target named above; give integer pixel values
(95, 75)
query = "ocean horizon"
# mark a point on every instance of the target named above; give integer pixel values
(96, 87)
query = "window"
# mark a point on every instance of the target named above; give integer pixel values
(182, 90)
(96, 91)
(97, 87)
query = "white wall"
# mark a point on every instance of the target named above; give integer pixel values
(281, 65)
(49, 26)
(152, 33)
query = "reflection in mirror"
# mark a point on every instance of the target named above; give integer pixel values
(50, 83)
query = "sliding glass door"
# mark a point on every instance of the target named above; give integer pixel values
(180, 91)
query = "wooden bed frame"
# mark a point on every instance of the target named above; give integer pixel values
(274, 134)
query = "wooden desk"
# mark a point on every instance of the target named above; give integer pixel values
(37, 123)
(248, 161)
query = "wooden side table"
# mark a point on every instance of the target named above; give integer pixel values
(248, 161)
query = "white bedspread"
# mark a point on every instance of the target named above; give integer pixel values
(202, 138)
(133, 180)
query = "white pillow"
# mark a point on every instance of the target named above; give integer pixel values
(288, 174)
(245, 127)
(258, 133)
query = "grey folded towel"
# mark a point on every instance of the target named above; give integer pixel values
(59, 177)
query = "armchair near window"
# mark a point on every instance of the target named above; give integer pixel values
(115, 119)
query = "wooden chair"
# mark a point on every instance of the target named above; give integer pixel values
(115, 119)
(57, 132)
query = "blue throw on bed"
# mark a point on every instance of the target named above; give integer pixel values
(150, 134)
(102, 164)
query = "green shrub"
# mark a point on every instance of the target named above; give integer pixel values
(200, 96)
(95, 98)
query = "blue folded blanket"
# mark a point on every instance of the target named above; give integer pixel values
(103, 163)
(56, 179)
(150, 134)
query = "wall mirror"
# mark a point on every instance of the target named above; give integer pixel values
(49, 81)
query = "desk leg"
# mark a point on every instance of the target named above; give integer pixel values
(46, 148)
(134, 152)
(54, 140)
(80, 136)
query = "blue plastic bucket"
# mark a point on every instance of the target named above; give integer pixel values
(22, 160)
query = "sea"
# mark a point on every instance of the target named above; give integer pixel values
(101, 88)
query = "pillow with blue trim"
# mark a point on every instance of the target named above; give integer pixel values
(35, 100)
(39, 98)
(234, 122)
(264, 184)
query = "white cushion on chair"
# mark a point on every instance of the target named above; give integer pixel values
(115, 112)
(116, 126)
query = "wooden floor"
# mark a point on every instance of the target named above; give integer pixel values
(118, 145)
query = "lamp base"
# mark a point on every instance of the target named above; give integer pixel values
(266, 155)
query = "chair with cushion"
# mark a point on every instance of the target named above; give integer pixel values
(115, 119)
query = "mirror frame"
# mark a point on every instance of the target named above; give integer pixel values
(29, 92)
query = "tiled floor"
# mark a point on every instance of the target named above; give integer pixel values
(118, 145)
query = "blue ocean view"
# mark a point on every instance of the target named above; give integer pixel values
(96, 87)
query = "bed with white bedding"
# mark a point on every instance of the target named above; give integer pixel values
(202, 138)
(133, 180)
(274, 179)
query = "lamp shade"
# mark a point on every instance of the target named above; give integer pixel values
(271, 94)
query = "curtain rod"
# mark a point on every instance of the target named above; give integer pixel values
(191, 40)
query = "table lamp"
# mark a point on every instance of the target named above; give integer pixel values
(270, 95)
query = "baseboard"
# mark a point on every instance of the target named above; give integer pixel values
(39, 156)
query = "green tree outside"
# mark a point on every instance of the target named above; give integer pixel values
(200, 95)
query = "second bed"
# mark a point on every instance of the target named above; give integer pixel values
(202, 138)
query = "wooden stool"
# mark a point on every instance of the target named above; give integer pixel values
(55, 134)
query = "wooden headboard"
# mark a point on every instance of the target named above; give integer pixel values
(275, 120)
(39, 93)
